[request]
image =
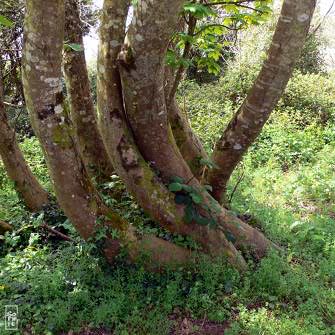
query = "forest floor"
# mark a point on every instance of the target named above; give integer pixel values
(286, 188)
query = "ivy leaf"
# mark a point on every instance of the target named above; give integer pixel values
(197, 199)
(228, 287)
(74, 47)
(176, 179)
(175, 187)
(188, 188)
(182, 199)
(230, 237)
(4, 21)
(202, 220)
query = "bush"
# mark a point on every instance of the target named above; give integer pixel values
(313, 95)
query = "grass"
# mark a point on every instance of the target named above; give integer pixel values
(288, 191)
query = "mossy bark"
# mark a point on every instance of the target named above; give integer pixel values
(246, 125)
(188, 143)
(26, 184)
(82, 111)
(42, 57)
(134, 120)
(140, 140)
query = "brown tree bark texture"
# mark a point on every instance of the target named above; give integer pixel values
(134, 122)
(187, 141)
(140, 179)
(5, 227)
(42, 58)
(26, 184)
(142, 85)
(144, 177)
(82, 110)
(288, 40)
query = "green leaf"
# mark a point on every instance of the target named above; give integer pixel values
(74, 46)
(230, 237)
(4, 21)
(202, 220)
(182, 199)
(188, 188)
(198, 10)
(197, 198)
(176, 179)
(175, 187)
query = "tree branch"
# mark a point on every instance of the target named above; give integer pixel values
(288, 40)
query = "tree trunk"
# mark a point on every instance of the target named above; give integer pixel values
(82, 109)
(136, 131)
(188, 143)
(26, 185)
(139, 139)
(246, 125)
(5, 227)
(42, 56)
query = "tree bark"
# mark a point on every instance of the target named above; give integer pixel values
(5, 227)
(26, 185)
(42, 56)
(138, 175)
(246, 125)
(82, 110)
(139, 139)
(134, 122)
(187, 141)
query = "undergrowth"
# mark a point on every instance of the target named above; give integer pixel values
(286, 188)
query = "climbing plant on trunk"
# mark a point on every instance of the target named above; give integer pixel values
(137, 128)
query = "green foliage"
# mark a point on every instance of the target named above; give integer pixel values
(288, 191)
(312, 96)
(311, 59)
(10, 205)
(61, 286)
(192, 199)
(4, 21)
(198, 10)
(210, 38)
(73, 46)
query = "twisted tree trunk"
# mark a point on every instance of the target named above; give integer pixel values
(26, 185)
(139, 138)
(288, 40)
(133, 114)
(42, 57)
(82, 110)
(140, 179)
(187, 141)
